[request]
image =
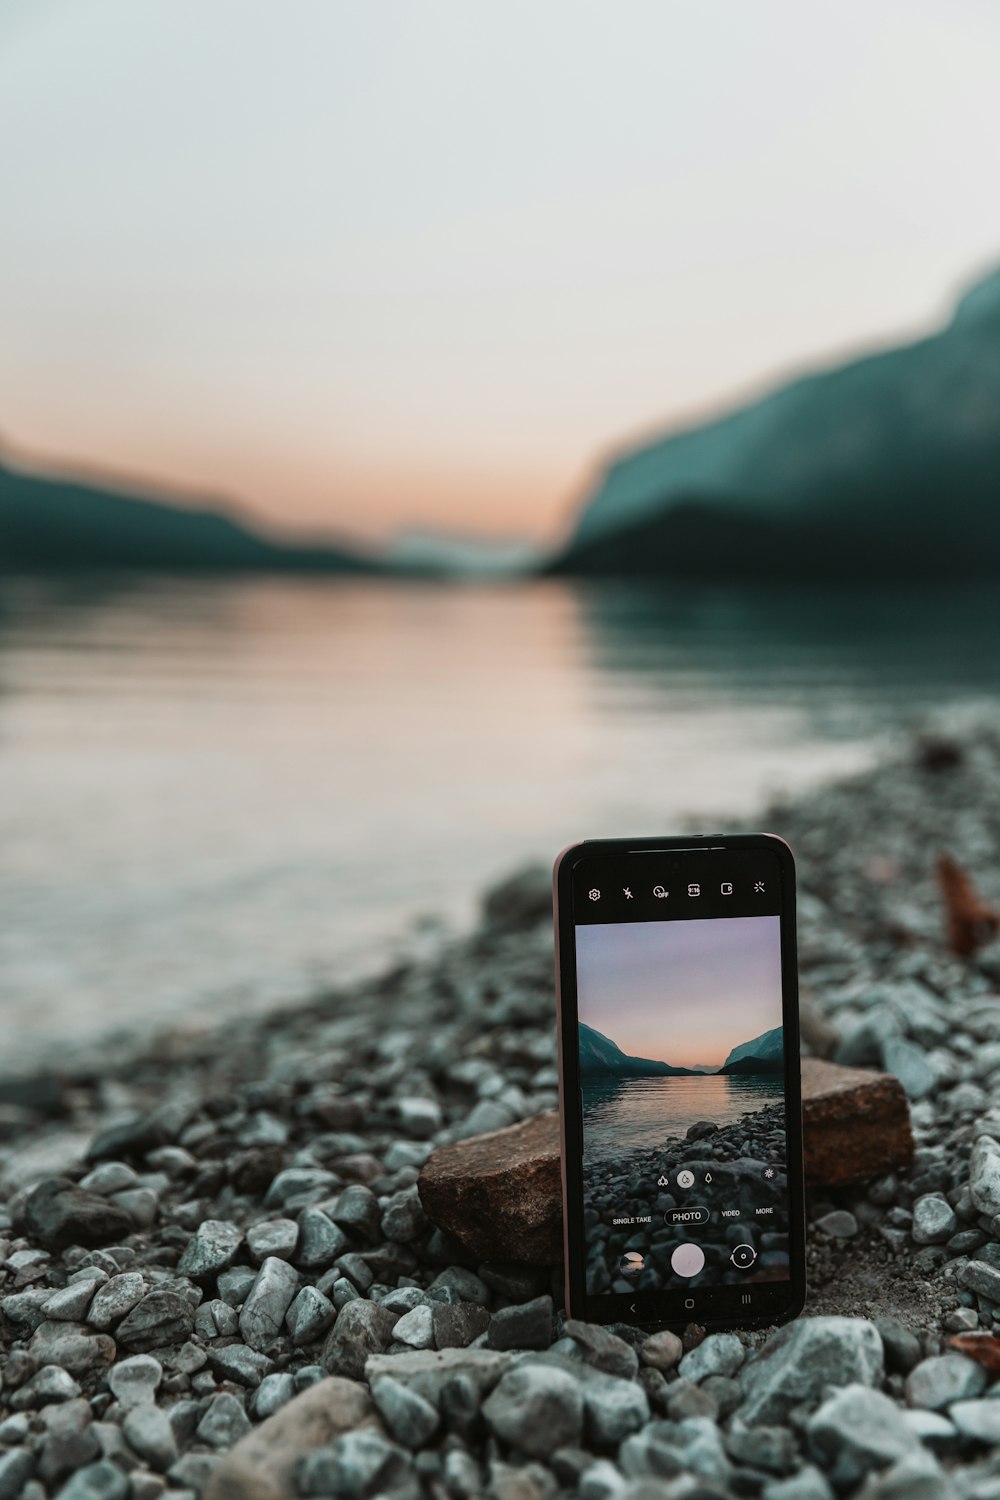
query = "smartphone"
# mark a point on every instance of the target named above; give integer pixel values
(680, 1100)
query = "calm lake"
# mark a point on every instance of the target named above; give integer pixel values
(636, 1114)
(222, 795)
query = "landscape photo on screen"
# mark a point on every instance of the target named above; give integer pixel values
(682, 1079)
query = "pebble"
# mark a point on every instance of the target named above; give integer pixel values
(320, 1240)
(72, 1347)
(804, 1357)
(858, 1429)
(901, 1345)
(936, 1382)
(839, 1224)
(71, 1302)
(240, 1363)
(211, 1249)
(57, 1213)
(148, 1431)
(356, 1210)
(719, 1354)
(135, 1381)
(602, 1349)
(416, 1328)
(50, 1383)
(910, 1065)
(161, 1317)
(267, 1303)
(309, 1316)
(984, 1175)
(977, 1419)
(410, 1419)
(114, 1298)
(224, 1423)
(362, 1328)
(525, 1325)
(536, 1409)
(662, 1351)
(100, 1481)
(359, 1465)
(933, 1220)
(277, 1237)
(273, 1392)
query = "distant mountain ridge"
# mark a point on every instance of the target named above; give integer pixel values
(762, 1054)
(56, 525)
(887, 465)
(599, 1054)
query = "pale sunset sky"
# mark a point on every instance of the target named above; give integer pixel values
(685, 993)
(370, 267)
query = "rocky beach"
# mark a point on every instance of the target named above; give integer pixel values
(224, 1271)
(746, 1162)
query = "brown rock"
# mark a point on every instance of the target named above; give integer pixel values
(262, 1465)
(984, 1348)
(970, 922)
(855, 1123)
(499, 1195)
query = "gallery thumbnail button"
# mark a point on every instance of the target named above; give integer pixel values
(695, 1215)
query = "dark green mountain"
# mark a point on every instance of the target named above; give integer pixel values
(888, 466)
(52, 525)
(762, 1054)
(599, 1054)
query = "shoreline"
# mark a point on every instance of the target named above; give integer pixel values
(263, 1231)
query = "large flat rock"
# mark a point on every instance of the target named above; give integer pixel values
(499, 1194)
(855, 1123)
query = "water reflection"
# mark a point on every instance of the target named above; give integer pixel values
(631, 1114)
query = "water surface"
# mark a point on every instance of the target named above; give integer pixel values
(217, 795)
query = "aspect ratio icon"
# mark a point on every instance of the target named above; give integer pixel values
(660, 892)
(694, 889)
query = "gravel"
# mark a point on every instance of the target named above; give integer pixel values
(220, 1224)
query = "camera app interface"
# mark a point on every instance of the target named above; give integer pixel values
(682, 1076)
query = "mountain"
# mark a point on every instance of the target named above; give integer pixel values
(56, 526)
(599, 1054)
(763, 1054)
(886, 466)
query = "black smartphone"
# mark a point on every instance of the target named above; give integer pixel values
(680, 1098)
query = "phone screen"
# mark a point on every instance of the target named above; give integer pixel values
(686, 1199)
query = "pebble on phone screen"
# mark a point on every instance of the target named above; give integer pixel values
(679, 1094)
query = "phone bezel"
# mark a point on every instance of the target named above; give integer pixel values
(570, 1114)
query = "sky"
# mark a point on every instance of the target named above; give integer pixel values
(377, 267)
(685, 993)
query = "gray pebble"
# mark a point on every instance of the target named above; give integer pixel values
(276, 1237)
(416, 1328)
(718, 1354)
(309, 1316)
(224, 1423)
(148, 1431)
(936, 1382)
(115, 1298)
(267, 1303)
(211, 1249)
(136, 1380)
(410, 1418)
(933, 1220)
(537, 1409)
